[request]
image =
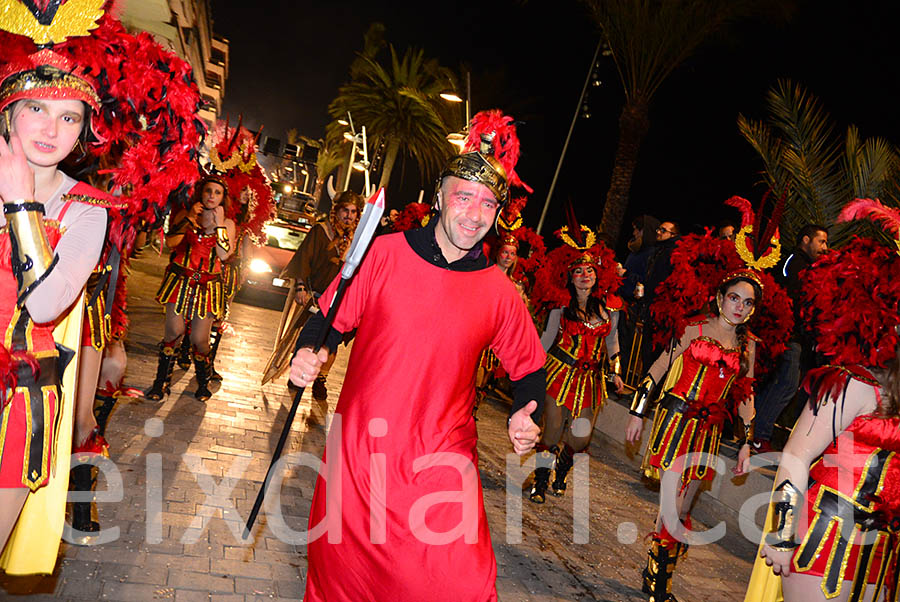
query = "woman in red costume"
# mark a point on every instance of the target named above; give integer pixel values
(715, 351)
(68, 235)
(708, 375)
(75, 81)
(192, 288)
(233, 155)
(580, 335)
(834, 530)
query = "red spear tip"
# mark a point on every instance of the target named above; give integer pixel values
(377, 199)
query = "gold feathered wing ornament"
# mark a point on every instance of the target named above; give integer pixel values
(34, 543)
(72, 19)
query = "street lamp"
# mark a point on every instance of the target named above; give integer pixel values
(459, 138)
(562, 155)
(360, 145)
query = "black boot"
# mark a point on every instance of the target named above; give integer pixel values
(202, 370)
(184, 352)
(661, 560)
(563, 464)
(544, 461)
(103, 407)
(213, 349)
(160, 387)
(82, 480)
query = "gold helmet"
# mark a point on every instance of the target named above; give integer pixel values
(482, 167)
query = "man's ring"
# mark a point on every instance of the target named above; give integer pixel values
(303, 376)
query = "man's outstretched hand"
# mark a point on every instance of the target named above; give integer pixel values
(523, 432)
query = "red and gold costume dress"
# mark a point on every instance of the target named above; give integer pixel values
(575, 364)
(193, 280)
(29, 416)
(690, 415)
(30, 424)
(855, 484)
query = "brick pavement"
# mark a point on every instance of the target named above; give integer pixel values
(190, 547)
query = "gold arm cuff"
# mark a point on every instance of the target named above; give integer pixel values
(782, 528)
(222, 238)
(748, 432)
(641, 402)
(615, 364)
(32, 258)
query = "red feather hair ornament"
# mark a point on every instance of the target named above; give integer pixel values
(506, 142)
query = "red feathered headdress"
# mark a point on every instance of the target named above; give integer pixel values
(146, 99)
(505, 141)
(581, 248)
(851, 297)
(700, 264)
(414, 215)
(511, 230)
(233, 161)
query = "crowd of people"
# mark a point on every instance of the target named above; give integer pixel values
(723, 326)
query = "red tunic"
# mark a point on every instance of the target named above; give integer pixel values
(193, 278)
(855, 482)
(690, 416)
(405, 434)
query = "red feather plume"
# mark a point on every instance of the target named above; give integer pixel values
(506, 141)
(874, 210)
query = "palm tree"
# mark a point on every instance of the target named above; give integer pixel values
(804, 159)
(398, 103)
(330, 157)
(648, 40)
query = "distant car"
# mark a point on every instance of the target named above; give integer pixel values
(263, 264)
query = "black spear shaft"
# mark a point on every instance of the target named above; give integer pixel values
(338, 297)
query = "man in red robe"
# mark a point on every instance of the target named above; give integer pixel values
(398, 512)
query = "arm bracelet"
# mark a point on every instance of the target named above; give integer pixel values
(222, 238)
(748, 433)
(641, 402)
(615, 364)
(781, 531)
(32, 258)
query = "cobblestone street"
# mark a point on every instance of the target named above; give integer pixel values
(190, 472)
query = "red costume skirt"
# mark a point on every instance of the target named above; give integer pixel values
(195, 294)
(574, 386)
(28, 428)
(865, 551)
(231, 276)
(688, 444)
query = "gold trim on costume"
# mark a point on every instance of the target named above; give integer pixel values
(74, 18)
(768, 260)
(89, 200)
(235, 160)
(590, 239)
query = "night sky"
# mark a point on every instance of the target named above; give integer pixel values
(530, 60)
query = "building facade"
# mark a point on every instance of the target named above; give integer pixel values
(186, 26)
